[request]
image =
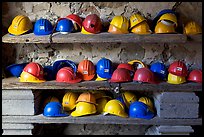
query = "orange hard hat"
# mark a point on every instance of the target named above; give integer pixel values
(86, 97)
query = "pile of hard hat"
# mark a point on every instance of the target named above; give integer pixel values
(66, 71)
(164, 22)
(96, 103)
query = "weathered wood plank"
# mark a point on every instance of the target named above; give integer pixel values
(96, 38)
(13, 83)
(99, 119)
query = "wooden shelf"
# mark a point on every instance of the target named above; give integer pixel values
(13, 83)
(104, 37)
(99, 119)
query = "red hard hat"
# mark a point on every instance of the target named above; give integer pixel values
(178, 68)
(126, 66)
(66, 74)
(145, 75)
(92, 23)
(195, 76)
(75, 18)
(121, 75)
(35, 69)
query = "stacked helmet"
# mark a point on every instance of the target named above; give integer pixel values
(129, 98)
(50, 99)
(86, 97)
(169, 17)
(192, 28)
(148, 102)
(104, 69)
(84, 108)
(86, 70)
(178, 68)
(69, 101)
(91, 25)
(121, 75)
(126, 66)
(76, 20)
(174, 79)
(43, 27)
(141, 28)
(64, 26)
(101, 102)
(136, 19)
(67, 75)
(20, 25)
(115, 107)
(195, 76)
(140, 110)
(119, 25)
(27, 77)
(54, 109)
(139, 63)
(164, 27)
(145, 75)
(16, 69)
(159, 70)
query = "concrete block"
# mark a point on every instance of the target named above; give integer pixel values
(17, 94)
(17, 126)
(17, 107)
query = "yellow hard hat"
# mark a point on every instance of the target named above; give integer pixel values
(83, 31)
(173, 79)
(136, 19)
(50, 99)
(69, 101)
(148, 102)
(137, 61)
(169, 17)
(101, 104)
(20, 25)
(129, 98)
(84, 108)
(192, 28)
(100, 78)
(164, 27)
(115, 107)
(114, 30)
(121, 23)
(27, 77)
(86, 97)
(141, 28)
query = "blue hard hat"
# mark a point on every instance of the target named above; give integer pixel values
(54, 109)
(43, 27)
(160, 70)
(48, 73)
(104, 68)
(64, 25)
(140, 110)
(120, 98)
(16, 69)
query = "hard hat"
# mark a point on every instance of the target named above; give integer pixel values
(50, 99)
(174, 79)
(16, 69)
(100, 78)
(75, 20)
(64, 26)
(69, 101)
(34, 69)
(135, 19)
(54, 109)
(140, 110)
(121, 23)
(169, 17)
(86, 70)
(43, 27)
(192, 28)
(84, 108)
(159, 69)
(86, 97)
(178, 68)
(140, 64)
(67, 75)
(145, 75)
(83, 31)
(48, 73)
(121, 75)
(27, 77)
(101, 104)
(20, 25)
(115, 107)
(164, 27)
(129, 98)
(141, 28)
(126, 66)
(57, 65)
(195, 76)
(99, 94)
(148, 102)
(114, 30)
(104, 68)
(92, 24)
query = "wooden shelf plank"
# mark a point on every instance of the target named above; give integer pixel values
(96, 38)
(13, 83)
(99, 119)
